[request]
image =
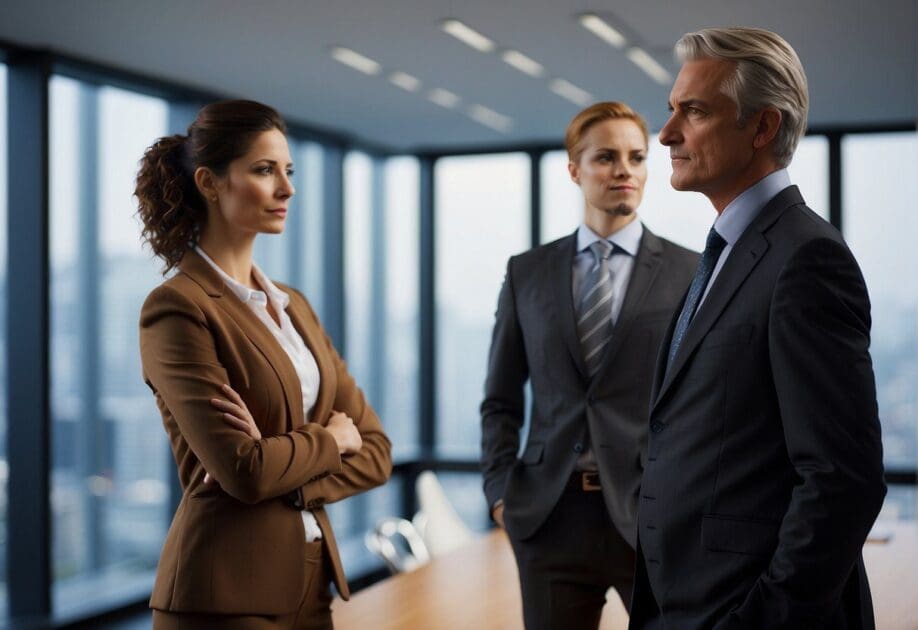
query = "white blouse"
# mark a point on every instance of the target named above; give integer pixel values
(289, 339)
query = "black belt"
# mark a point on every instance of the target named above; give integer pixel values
(585, 480)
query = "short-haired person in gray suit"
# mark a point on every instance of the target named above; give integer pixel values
(764, 465)
(581, 319)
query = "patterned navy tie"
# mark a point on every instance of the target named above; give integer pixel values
(712, 249)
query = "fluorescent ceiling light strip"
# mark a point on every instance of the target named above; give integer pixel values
(648, 64)
(571, 92)
(489, 118)
(523, 63)
(467, 35)
(405, 81)
(443, 98)
(355, 60)
(603, 30)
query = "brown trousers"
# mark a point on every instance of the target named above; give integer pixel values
(314, 612)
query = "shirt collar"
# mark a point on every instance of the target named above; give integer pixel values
(244, 293)
(627, 239)
(740, 212)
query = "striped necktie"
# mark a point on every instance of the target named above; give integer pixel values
(712, 249)
(595, 313)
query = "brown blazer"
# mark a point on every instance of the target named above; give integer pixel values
(239, 548)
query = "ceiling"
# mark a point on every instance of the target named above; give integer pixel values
(861, 58)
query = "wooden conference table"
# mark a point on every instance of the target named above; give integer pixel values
(477, 587)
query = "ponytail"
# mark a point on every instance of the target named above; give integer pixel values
(170, 205)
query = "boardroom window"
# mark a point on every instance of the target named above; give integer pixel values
(398, 407)
(809, 170)
(381, 205)
(306, 222)
(358, 273)
(110, 461)
(481, 218)
(879, 189)
(381, 289)
(4, 469)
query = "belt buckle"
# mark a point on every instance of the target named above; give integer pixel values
(590, 481)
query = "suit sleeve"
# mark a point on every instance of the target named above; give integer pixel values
(181, 366)
(819, 335)
(503, 406)
(372, 465)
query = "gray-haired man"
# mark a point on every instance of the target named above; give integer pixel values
(764, 466)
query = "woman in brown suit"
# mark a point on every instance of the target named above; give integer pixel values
(265, 420)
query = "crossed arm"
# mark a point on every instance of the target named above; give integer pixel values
(181, 366)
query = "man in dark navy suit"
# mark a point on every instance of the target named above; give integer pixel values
(764, 468)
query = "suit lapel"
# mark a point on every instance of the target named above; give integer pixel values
(646, 266)
(746, 254)
(257, 333)
(561, 271)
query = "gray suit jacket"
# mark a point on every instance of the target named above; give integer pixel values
(764, 463)
(535, 338)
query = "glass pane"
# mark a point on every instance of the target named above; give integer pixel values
(358, 276)
(809, 170)
(401, 372)
(562, 201)
(901, 504)
(481, 210)
(111, 465)
(308, 203)
(464, 493)
(4, 470)
(880, 223)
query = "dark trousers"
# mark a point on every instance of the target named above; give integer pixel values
(567, 566)
(314, 612)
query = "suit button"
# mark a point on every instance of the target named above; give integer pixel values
(591, 401)
(656, 427)
(578, 447)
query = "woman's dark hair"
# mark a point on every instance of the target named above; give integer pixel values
(169, 203)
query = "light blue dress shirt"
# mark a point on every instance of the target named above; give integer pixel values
(626, 241)
(740, 213)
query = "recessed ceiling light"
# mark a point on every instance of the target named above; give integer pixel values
(523, 63)
(603, 30)
(405, 81)
(571, 92)
(467, 35)
(443, 98)
(648, 64)
(355, 60)
(488, 117)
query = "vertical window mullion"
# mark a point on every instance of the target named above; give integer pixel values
(29, 538)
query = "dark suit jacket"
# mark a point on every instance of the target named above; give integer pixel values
(764, 465)
(239, 548)
(535, 337)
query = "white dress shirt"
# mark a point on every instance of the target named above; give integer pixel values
(288, 338)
